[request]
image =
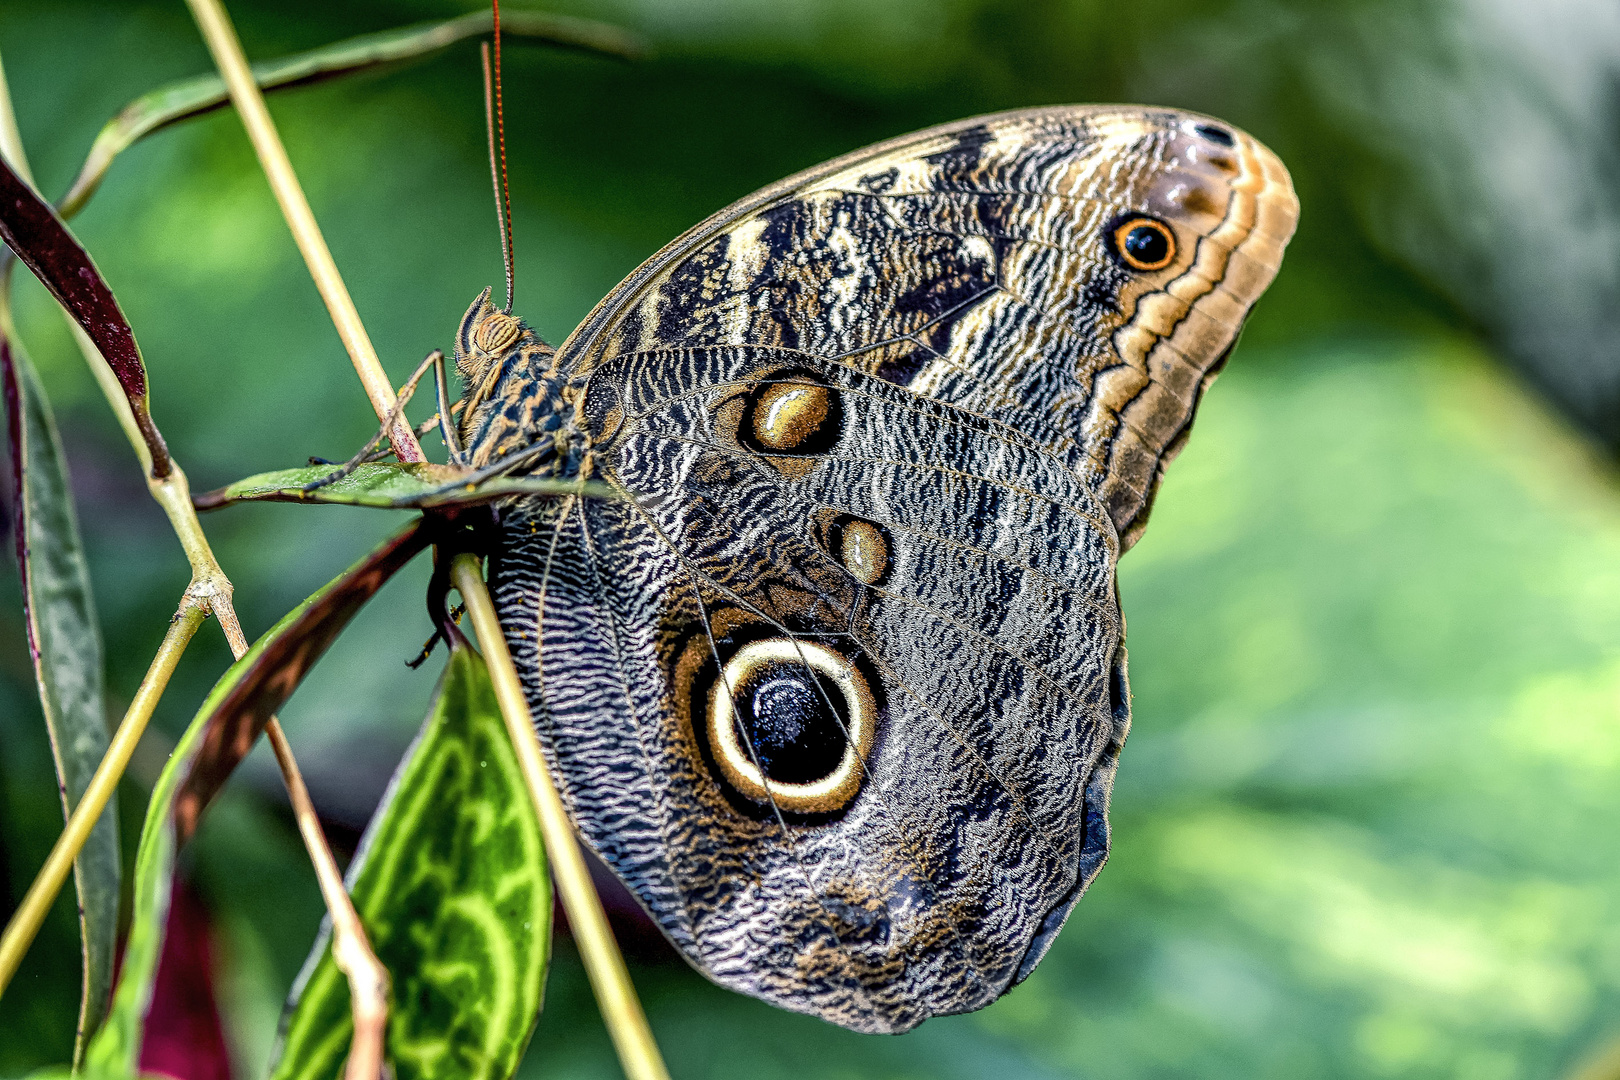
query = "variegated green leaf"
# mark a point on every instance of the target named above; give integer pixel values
(452, 885)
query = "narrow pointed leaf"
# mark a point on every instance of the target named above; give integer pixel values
(237, 708)
(32, 230)
(195, 97)
(394, 485)
(64, 641)
(452, 885)
(269, 673)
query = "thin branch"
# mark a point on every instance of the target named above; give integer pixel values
(24, 925)
(208, 592)
(113, 391)
(351, 949)
(11, 147)
(223, 43)
(621, 1011)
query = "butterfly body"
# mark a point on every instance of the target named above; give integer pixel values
(837, 683)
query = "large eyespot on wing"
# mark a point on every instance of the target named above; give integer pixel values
(785, 725)
(1077, 272)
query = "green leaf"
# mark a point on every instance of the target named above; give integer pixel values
(393, 485)
(223, 731)
(452, 885)
(64, 641)
(194, 97)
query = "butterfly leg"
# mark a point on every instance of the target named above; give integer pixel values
(444, 421)
(366, 451)
(447, 428)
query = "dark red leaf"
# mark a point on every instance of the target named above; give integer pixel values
(31, 228)
(275, 670)
(183, 1038)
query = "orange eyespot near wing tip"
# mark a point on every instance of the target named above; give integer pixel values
(1144, 243)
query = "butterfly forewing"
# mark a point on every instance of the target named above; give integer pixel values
(978, 263)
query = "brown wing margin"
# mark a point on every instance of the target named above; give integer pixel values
(1180, 336)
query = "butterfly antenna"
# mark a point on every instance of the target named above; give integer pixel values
(495, 129)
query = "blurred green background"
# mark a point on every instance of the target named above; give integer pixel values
(1366, 821)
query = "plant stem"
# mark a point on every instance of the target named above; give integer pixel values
(19, 933)
(226, 48)
(209, 592)
(351, 952)
(11, 146)
(113, 391)
(621, 1011)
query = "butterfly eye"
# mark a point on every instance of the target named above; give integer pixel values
(497, 332)
(1143, 243)
(790, 724)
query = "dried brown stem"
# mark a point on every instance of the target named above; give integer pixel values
(351, 949)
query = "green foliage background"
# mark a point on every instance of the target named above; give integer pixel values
(1366, 820)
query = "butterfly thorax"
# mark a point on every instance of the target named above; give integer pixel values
(513, 397)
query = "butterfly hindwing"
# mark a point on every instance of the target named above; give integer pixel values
(990, 714)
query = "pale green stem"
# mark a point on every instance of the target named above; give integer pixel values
(226, 48)
(20, 931)
(10, 138)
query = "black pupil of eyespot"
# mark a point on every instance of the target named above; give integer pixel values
(1214, 134)
(795, 720)
(1147, 244)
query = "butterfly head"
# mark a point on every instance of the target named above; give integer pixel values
(507, 381)
(486, 334)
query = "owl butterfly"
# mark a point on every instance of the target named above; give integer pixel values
(837, 684)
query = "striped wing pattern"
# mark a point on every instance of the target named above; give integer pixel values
(878, 435)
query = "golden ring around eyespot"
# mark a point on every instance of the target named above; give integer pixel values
(1144, 243)
(830, 793)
